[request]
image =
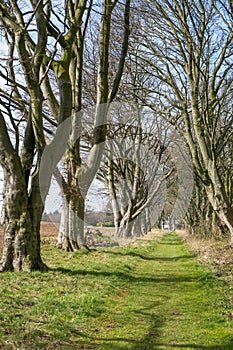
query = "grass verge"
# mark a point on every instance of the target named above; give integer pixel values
(149, 295)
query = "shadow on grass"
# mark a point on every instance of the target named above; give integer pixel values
(73, 338)
(126, 277)
(228, 346)
(150, 340)
(112, 339)
(170, 239)
(150, 258)
(166, 242)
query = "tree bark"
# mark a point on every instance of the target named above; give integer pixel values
(71, 230)
(14, 218)
(21, 225)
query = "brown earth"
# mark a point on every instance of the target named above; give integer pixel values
(48, 233)
(217, 255)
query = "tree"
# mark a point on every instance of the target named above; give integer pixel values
(142, 153)
(80, 176)
(189, 53)
(43, 101)
(22, 205)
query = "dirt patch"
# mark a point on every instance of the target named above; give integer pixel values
(49, 232)
(218, 255)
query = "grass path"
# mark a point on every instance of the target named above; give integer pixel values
(150, 295)
(171, 303)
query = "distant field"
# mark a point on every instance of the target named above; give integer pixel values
(49, 231)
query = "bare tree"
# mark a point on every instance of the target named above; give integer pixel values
(135, 168)
(22, 205)
(189, 53)
(43, 73)
(80, 176)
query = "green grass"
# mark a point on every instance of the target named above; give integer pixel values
(151, 295)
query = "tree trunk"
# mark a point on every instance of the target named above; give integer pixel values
(128, 229)
(147, 220)
(223, 210)
(124, 229)
(71, 231)
(21, 249)
(63, 227)
(36, 208)
(218, 198)
(137, 227)
(20, 214)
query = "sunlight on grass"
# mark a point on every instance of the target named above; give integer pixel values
(152, 295)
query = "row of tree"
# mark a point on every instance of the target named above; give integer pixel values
(180, 67)
(46, 49)
(168, 66)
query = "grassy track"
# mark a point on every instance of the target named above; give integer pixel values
(151, 295)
